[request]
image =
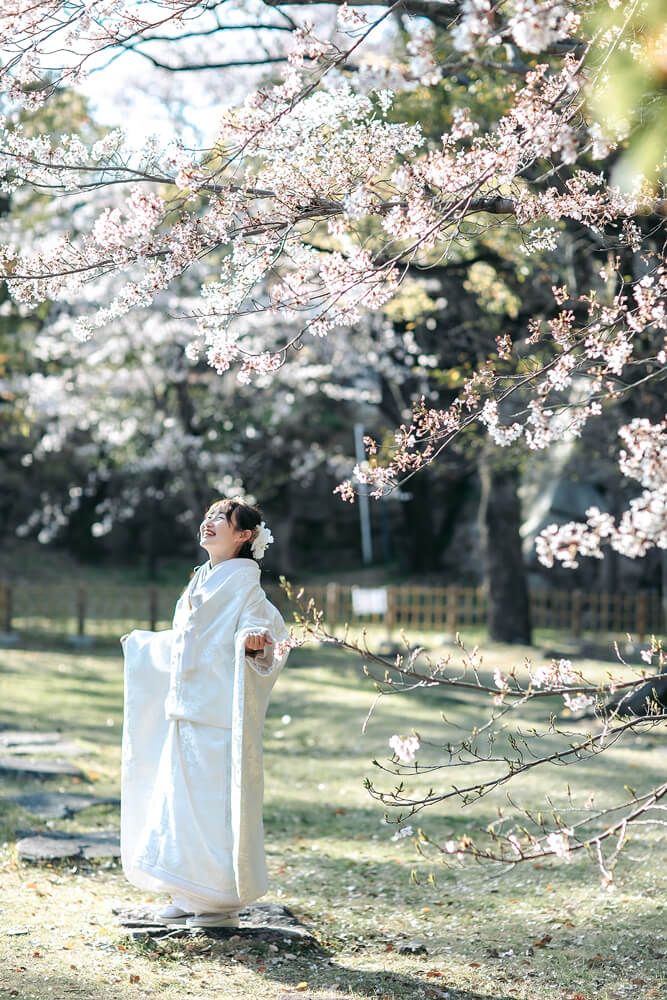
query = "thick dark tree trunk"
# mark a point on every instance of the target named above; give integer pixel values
(151, 535)
(649, 699)
(508, 609)
(419, 522)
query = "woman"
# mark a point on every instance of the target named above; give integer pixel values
(195, 701)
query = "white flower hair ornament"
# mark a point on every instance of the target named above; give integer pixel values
(261, 541)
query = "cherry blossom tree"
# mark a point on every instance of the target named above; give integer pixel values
(318, 150)
(311, 206)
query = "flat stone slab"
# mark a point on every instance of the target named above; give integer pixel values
(22, 741)
(52, 846)
(260, 921)
(36, 767)
(59, 805)
(17, 737)
(64, 747)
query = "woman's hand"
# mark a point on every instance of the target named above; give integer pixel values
(255, 643)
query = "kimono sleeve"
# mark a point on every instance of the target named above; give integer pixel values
(258, 616)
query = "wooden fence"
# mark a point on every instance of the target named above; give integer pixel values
(85, 613)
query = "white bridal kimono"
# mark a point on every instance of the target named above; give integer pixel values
(192, 777)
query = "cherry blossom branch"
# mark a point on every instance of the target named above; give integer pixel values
(592, 746)
(518, 751)
(563, 841)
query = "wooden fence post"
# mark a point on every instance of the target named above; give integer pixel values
(452, 608)
(6, 606)
(152, 608)
(81, 611)
(576, 612)
(604, 613)
(642, 615)
(332, 605)
(390, 613)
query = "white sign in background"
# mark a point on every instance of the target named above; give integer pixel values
(369, 600)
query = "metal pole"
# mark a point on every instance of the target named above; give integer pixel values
(364, 506)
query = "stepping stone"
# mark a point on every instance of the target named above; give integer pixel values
(21, 741)
(260, 921)
(57, 846)
(59, 805)
(275, 917)
(64, 747)
(34, 767)
(17, 737)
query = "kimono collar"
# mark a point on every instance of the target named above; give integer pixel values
(224, 569)
(208, 580)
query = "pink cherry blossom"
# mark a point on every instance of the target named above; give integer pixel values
(405, 747)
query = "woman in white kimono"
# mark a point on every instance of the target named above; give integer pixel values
(195, 700)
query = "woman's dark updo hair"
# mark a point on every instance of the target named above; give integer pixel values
(243, 517)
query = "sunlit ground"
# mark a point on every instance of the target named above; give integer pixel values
(535, 932)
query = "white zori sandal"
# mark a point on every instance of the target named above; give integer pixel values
(225, 918)
(173, 915)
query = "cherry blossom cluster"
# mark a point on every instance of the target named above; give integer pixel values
(349, 19)
(46, 45)
(405, 747)
(557, 675)
(423, 65)
(65, 165)
(296, 154)
(283, 646)
(586, 356)
(641, 527)
(532, 25)
(315, 150)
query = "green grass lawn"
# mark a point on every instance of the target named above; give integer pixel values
(535, 932)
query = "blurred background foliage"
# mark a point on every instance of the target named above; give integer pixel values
(628, 95)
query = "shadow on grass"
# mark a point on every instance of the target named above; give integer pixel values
(29, 982)
(63, 691)
(93, 732)
(333, 975)
(293, 818)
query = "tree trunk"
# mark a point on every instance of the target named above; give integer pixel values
(508, 609)
(418, 516)
(151, 533)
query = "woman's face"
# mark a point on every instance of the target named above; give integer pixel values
(220, 537)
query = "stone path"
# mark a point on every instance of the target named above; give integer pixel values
(25, 755)
(17, 737)
(28, 756)
(18, 741)
(261, 921)
(39, 768)
(55, 846)
(59, 805)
